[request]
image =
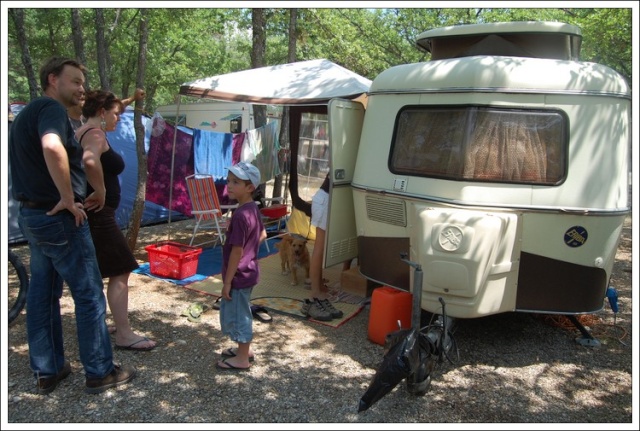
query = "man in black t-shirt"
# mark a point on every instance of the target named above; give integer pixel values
(49, 181)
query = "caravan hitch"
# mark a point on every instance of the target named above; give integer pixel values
(435, 340)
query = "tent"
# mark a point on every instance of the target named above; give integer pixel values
(123, 141)
(312, 82)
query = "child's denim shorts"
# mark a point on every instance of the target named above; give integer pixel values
(236, 320)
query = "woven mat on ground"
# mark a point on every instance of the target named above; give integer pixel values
(276, 293)
(209, 263)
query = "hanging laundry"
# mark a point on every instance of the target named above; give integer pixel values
(160, 165)
(261, 148)
(212, 153)
(238, 142)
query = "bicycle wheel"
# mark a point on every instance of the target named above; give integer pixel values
(18, 284)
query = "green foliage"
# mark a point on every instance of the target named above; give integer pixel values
(607, 37)
(190, 43)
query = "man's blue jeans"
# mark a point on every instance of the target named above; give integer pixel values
(60, 251)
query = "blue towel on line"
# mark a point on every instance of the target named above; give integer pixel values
(212, 153)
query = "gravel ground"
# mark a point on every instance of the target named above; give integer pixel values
(512, 368)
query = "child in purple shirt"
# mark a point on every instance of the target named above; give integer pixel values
(240, 269)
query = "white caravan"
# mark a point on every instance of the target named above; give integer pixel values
(501, 167)
(493, 178)
(225, 117)
(215, 116)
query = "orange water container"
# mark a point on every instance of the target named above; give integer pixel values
(388, 305)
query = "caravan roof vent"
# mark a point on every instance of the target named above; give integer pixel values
(535, 39)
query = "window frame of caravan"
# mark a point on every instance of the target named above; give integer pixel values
(313, 151)
(301, 203)
(562, 146)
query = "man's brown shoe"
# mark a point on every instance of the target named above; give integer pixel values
(119, 376)
(46, 385)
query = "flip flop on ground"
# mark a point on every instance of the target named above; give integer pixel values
(228, 367)
(231, 352)
(134, 346)
(261, 313)
(216, 304)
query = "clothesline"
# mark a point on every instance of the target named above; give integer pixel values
(206, 152)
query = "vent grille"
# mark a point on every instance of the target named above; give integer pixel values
(340, 248)
(389, 211)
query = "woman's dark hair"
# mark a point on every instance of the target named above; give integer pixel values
(55, 65)
(96, 100)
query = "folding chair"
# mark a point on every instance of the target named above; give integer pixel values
(206, 208)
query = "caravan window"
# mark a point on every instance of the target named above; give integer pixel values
(313, 153)
(473, 143)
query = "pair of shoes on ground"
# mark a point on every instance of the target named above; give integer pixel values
(46, 385)
(320, 309)
(135, 346)
(118, 376)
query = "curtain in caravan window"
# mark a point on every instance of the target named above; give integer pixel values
(508, 147)
(481, 144)
(430, 142)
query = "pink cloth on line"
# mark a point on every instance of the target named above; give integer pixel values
(236, 150)
(159, 169)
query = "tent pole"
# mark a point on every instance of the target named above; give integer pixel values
(173, 157)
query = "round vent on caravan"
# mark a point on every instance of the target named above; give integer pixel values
(535, 39)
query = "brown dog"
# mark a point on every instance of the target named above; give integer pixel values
(294, 255)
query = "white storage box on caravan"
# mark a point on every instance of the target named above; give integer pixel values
(501, 166)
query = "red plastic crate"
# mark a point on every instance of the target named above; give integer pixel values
(173, 260)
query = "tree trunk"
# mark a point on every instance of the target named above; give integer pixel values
(258, 48)
(78, 43)
(138, 203)
(18, 19)
(102, 51)
(283, 155)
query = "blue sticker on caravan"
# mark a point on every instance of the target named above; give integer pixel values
(575, 236)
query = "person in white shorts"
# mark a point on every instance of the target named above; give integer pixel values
(318, 306)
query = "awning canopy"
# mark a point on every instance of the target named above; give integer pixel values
(312, 82)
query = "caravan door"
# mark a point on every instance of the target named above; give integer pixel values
(345, 125)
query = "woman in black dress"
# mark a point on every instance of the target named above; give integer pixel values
(103, 165)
